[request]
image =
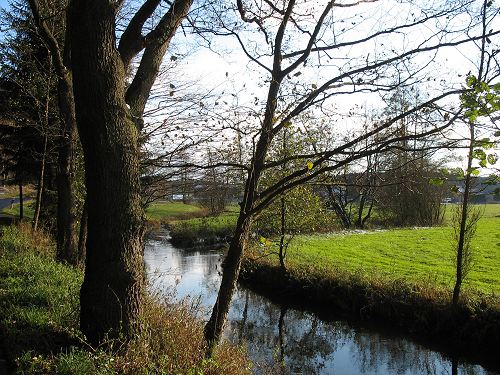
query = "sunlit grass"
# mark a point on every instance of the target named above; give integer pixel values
(169, 210)
(416, 255)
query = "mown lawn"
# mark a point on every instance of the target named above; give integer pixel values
(416, 255)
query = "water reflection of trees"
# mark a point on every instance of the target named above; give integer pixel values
(275, 333)
(306, 345)
(373, 351)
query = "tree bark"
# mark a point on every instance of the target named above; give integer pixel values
(337, 207)
(282, 252)
(21, 200)
(156, 44)
(82, 238)
(215, 325)
(66, 207)
(113, 286)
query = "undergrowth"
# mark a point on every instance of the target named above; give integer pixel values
(203, 231)
(39, 309)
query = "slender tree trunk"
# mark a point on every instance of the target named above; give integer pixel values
(463, 220)
(359, 221)
(339, 210)
(368, 214)
(282, 253)
(281, 336)
(39, 192)
(66, 206)
(215, 325)
(21, 200)
(113, 286)
(232, 263)
(41, 176)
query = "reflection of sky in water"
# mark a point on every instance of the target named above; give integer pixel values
(306, 344)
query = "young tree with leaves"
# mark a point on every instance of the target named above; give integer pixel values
(481, 99)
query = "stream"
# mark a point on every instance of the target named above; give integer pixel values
(304, 343)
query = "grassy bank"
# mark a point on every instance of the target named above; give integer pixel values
(423, 255)
(167, 211)
(39, 323)
(205, 230)
(402, 276)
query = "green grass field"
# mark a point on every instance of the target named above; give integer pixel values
(168, 210)
(416, 255)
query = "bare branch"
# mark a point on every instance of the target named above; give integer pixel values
(157, 42)
(132, 41)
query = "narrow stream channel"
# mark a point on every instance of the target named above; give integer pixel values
(273, 333)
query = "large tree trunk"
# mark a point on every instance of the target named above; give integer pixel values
(113, 287)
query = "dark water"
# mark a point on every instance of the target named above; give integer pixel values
(274, 334)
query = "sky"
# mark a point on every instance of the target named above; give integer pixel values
(4, 5)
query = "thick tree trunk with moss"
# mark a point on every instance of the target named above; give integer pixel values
(113, 287)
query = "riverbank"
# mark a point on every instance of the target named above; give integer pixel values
(470, 330)
(39, 304)
(204, 231)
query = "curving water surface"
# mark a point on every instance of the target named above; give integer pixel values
(304, 343)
